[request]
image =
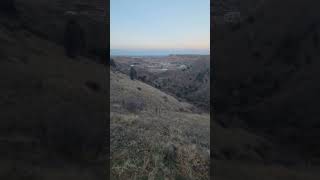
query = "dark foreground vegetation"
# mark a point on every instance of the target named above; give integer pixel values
(53, 113)
(265, 93)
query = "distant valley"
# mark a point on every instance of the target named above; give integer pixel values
(187, 77)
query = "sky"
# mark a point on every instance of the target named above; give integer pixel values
(159, 25)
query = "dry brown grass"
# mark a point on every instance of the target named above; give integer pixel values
(159, 141)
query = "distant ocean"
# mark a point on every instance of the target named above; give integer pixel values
(118, 52)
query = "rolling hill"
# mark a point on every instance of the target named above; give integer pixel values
(154, 135)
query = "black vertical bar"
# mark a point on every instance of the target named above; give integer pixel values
(107, 38)
(212, 82)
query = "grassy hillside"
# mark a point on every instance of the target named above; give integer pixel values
(149, 98)
(153, 135)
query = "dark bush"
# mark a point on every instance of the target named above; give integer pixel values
(134, 105)
(170, 154)
(74, 38)
(142, 78)
(200, 77)
(112, 63)
(93, 86)
(133, 73)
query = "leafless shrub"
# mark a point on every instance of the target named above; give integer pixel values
(134, 105)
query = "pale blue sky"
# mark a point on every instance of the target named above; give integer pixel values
(160, 24)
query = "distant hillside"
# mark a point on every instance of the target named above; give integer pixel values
(188, 76)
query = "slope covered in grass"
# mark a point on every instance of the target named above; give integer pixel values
(160, 138)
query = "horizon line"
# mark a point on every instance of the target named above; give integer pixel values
(159, 49)
(158, 52)
(167, 55)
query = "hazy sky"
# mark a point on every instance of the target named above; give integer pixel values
(160, 24)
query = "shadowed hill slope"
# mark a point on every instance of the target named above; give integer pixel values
(52, 109)
(266, 83)
(48, 19)
(268, 78)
